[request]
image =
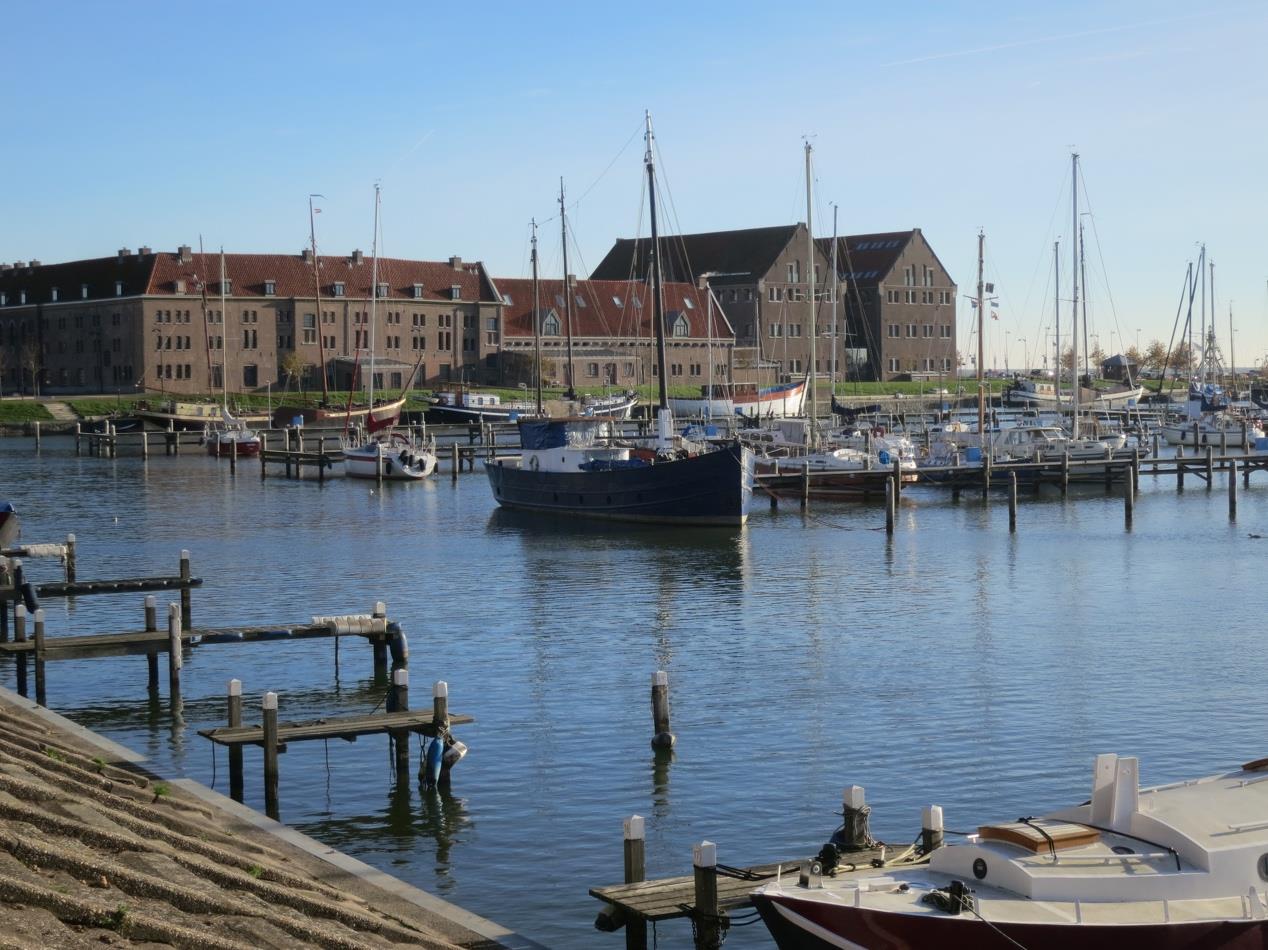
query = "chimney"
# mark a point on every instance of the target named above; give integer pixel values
(572, 280)
(33, 264)
(306, 255)
(124, 253)
(142, 250)
(455, 263)
(357, 256)
(186, 254)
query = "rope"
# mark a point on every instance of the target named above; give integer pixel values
(213, 765)
(973, 910)
(1052, 845)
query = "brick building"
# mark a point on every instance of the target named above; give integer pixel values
(895, 314)
(613, 334)
(136, 322)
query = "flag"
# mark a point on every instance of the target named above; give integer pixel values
(316, 211)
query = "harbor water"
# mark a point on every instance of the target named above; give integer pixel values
(954, 663)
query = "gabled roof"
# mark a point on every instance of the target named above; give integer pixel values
(747, 255)
(608, 309)
(292, 275)
(867, 258)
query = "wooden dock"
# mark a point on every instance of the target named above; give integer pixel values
(348, 728)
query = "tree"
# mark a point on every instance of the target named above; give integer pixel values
(31, 361)
(293, 367)
(1155, 356)
(1181, 360)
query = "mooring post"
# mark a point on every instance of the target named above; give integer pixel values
(1232, 489)
(321, 459)
(1136, 469)
(270, 755)
(635, 872)
(854, 813)
(1210, 467)
(19, 636)
(40, 696)
(1012, 501)
(898, 479)
(889, 505)
(931, 828)
(453, 465)
(78, 435)
(151, 655)
(398, 701)
(145, 444)
(186, 590)
(235, 750)
(1223, 441)
(440, 705)
(1109, 469)
(175, 657)
(805, 486)
(379, 643)
(704, 862)
(37, 436)
(70, 559)
(1129, 500)
(1065, 471)
(662, 736)
(233, 456)
(1180, 467)
(1245, 438)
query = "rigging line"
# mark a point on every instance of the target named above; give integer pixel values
(1100, 253)
(637, 132)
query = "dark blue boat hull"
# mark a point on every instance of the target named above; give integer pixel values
(714, 488)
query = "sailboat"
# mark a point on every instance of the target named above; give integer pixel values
(230, 436)
(575, 466)
(384, 453)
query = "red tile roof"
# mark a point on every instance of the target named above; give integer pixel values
(608, 308)
(293, 276)
(100, 274)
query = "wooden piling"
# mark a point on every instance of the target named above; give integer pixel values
(175, 655)
(931, 832)
(704, 862)
(635, 872)
(186, 606)
(1245, 437)
(662, 734)
(890, 506)
(1129, 500)
(399, 702)
(270, 756)
(145, 444)
(1065, 471)
(235, 751)
(151, 626)
(19, 636)
(1157, 449)
(805, 486)
(321, 459)
(453, 466)
(1232, 489)
(233, 456)
(1012, 501)
(1223, 441)
(379, 645)
(70, 559)
(898, 479)
(37, 436)
(854, 818)
(1136, 469)
(40, 693)
(1180, 467)
(440, 705)
(79, 434)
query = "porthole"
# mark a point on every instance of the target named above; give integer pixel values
(1263, 866)
(1122, 849)
(979, 868)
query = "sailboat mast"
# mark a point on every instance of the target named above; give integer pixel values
(321, 330)
(1211, 343)
(224, 375)
(658, 303)
(812, 367)
(1202, 340)
(981, 345)
(1087, 352)
(563, 229)
(202, 266)
(1232, 353)
(537, 324)
(1074, 306)
(1056, 317)
(374, 293)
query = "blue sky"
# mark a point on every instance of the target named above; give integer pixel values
(170, 121)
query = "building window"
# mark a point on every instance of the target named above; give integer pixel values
(794, 329)
(310, 328)
(550, 326)
(381, 292)
(748, 295)
(338, 291)
(909, 275)
(270, 288)
(455, 292)
(250, 376)
(418, 291)
(928, 330)
(794, 366)
(945, 331)
(592, 369)
(680, 327)
(83, 291)
(776, 329)
(911, 331)
(118, 288)
(894, 330)
(893, 364)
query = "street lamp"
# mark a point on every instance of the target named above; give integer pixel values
(1006, 333)
(1025, 357)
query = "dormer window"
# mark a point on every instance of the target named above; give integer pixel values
(506, 299)
(680, 326)
(550, 325)
(270, 288)
(580, 301)
(21, 296)
(226, 286)
(54, 295)
(4, 299)
(338, 290)
(118, 288)
(382, 291)
(83, 291)
(455, 292)
(688, 303)
(418, 291)
(617, 300)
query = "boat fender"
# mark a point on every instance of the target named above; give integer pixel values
(430, 769)
(387, 467)
(884, 457)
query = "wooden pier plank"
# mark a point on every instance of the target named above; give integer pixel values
(119, 586)
(348, 727)
(143, 642)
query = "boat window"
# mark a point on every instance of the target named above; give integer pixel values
(617, 300)
(1263, 866)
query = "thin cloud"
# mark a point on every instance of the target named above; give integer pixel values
(1055, 38)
